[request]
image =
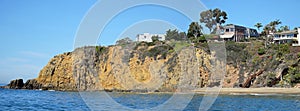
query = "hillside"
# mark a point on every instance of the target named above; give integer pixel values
(166, 67)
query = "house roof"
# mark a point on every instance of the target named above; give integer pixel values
(240, 26)
(288, 32)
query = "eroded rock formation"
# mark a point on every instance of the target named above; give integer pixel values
(150, 68)
(124, 69)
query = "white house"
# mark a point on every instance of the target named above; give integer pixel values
(292, 36)
(147, 37)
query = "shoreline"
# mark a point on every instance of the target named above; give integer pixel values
(226, 91)
(264, 90)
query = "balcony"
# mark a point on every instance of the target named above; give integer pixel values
(285, 38)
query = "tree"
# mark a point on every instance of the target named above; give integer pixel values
(182, 36)
(194, 30)
(274, 24)
(293, 76)
(154, 38)
(258, 26)
(220, 16)
(283, 28)
(124, 41)
(271, 27)
(207, 18)
(266, 30)
(213, 19)
(175, 35)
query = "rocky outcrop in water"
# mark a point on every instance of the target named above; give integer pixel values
(19, 84)
(16, 84)
(32, 84)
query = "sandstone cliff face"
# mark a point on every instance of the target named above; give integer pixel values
(160, 68)
(119, 68)
(57, 74)
(123, 69)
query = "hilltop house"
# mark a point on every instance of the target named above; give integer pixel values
(147, 37)
(292, 36)
(237, 33)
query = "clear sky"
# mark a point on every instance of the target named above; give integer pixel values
(33, 31)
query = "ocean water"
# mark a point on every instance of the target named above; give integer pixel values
(34, 100)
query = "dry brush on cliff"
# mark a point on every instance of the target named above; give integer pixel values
(168, 67)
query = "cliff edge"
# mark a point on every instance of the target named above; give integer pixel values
(161, 68)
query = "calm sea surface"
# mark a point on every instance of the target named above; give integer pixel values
(72, 101)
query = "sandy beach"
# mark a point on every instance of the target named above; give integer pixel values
(253, 90)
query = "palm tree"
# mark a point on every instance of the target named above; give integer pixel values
(258, 26)
(266, 32)
(267, 29)
(274, 24)
(285, 28)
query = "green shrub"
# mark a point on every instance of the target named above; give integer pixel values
(159, 50)
(293, 76)
(255, 60)
(298, 55)
(281, 50)
(143, 51)
(200, 39)
(97, 49)
(270, 78)
(236, 52)
(100, 49)
(171, 51)
(124, 41)
(261, 51)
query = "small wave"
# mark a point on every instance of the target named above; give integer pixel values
(293, 95)
(259, 94)
(238, 94)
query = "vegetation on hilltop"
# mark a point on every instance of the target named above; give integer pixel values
(250, 57)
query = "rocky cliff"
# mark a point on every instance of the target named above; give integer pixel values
(140, 68)
(145, 67)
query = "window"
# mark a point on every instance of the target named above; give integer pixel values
(227, 30)
(282, 35)
(231, 29)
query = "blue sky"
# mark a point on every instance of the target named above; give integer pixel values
(249, 12)
(33, 31)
